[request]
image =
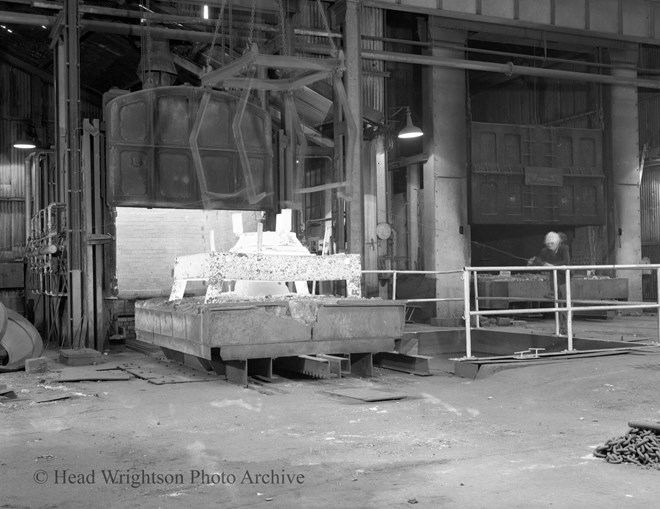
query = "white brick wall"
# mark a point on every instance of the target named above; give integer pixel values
(149, 240)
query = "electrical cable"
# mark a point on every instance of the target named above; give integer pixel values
(499, 250)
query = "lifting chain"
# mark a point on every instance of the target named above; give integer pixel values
(326, 27)
(218, 24)
(638, 446)
(251, 32)
(145, 46)
(285, 45)
(230, 28)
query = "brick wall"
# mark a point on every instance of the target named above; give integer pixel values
(149, 240)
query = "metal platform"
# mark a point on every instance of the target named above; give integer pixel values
(498, 347)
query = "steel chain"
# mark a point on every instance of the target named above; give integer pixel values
(252, 16)
(638, 446)
(219, 22)
(326, 26)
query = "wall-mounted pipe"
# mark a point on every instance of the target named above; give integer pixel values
(508, 68)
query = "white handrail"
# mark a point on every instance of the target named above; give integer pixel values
(567, 308)
(568, 301)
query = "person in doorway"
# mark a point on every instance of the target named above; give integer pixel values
(555, 253)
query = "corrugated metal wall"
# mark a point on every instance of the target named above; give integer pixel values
(15, 110)
(650, 210)
(649, 138)
(649, 106)
(373, 82)
(650, 223)
(24, 99)
(531, 101)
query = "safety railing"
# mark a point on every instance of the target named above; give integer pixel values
(565, 304)
(396, 273)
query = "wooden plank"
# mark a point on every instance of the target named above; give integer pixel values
(368, 394)
(89, 375)
(56, 397)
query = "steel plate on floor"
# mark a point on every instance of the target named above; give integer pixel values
(163, 372)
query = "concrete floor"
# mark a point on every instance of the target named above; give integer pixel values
(520, 437)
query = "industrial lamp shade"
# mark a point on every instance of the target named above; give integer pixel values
(410, 130)
(25, 144)
(27, 138)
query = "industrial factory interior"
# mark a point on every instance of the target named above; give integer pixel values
(329, 253)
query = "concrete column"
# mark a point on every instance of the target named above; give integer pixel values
(412, 216)
(445, 229)
(625, 170)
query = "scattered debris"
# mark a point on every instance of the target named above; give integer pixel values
(7, 393)
(36, 365)
(641, 446)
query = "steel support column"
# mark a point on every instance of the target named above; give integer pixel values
(348, 12)
(69, 161)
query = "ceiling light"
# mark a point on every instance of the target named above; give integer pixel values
(410, 130)
(27, 138)
(24, 145)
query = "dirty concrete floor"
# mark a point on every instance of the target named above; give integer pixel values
(519, 437)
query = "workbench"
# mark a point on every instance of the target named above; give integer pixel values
(534, 288)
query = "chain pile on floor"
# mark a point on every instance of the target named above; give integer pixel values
(641, 446)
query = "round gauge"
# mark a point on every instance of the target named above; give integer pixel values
(383, 231)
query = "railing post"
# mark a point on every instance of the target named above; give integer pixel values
(657, 294)
(466, 312)
(569, 311)
(477, 324)
(555, 291)
(394, 285)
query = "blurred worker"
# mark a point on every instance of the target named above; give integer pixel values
(554, 253)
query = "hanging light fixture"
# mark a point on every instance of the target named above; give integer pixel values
(27, 139)
(410, 130)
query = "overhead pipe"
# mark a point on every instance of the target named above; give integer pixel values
(508, 69)
(139, 30)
